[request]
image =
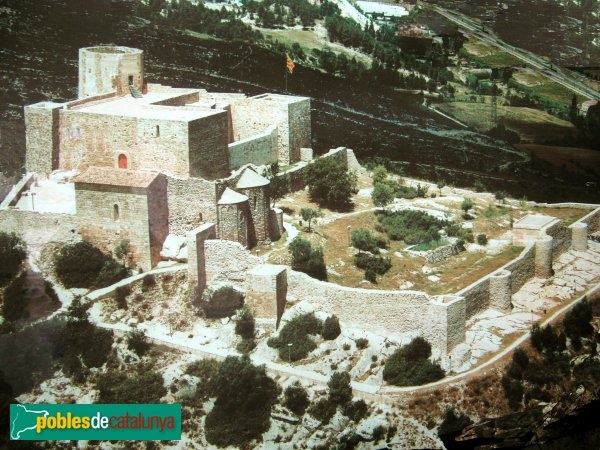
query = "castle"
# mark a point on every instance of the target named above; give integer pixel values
(153, 159)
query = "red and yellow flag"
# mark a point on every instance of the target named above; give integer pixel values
(289, 64)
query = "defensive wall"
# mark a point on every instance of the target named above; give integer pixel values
(260, 149)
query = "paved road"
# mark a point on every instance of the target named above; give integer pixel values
(555, 73)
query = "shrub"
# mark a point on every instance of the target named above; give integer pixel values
(148, 282)
(410, 365)
(331, 328)
(363, 240)
(138, 342)
(296, 332)
(244, 397)
(407, 192)
(329, 183)
(12, 254)
(340, 391)
(577, 321)
(383, 194)
(500, 195)
(453, 423)
(374, 264)
(308, 260)
(411, 226)
(120, 296)
(296, 399)
(83, 265)
(362, 343)
(322, 410)
(244, 326)
(246, 345)
(118, 387)
(13, 299)
(547, 340)
(355, 410)
(513, 391)
(479, 186)
(466, 205)
(221, 302)
(482, 239)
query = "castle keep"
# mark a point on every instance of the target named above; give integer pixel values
(174, 149)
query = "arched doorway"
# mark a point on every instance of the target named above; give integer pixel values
(122, 161)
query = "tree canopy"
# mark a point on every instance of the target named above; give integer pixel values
(242, 411)
(12, 254)
(329, 183)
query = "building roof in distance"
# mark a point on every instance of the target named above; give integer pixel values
(116, 177)
(230, 197)
(251, 179)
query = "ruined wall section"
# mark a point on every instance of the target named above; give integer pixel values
(42, 137)
(592, 220)
(110, 68)
(522, 268)
(228, 261)
(561, 236)
(191, 203)
(102, 226)
(260, 149)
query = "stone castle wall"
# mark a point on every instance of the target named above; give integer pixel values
(208, 152)
(158, 216)
(192, 201)
(42, 137)
(107, 215)
(561, 236)
(260, 149)
(228, 261)
(299, 126)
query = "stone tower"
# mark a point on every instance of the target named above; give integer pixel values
(233, 218)
(256, 188)
(110, 68)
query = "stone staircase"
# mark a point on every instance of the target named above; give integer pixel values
(135, 93)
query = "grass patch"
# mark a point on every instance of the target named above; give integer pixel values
(490, 55)
(531, 124)
(430, 245)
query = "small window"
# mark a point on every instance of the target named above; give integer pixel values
(116, 213)
(122, 161)
(157, 131)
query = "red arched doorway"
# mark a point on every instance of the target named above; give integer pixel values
(122, 161)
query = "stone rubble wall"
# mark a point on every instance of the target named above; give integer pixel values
(42, 137)
(228, 261)
(441, 253)
(388, 311)
(592, 220)
(561, 236)
(522, 268)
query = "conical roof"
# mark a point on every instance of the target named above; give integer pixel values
(230, 197)
(250, 179)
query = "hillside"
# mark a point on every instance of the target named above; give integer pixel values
(40, 40)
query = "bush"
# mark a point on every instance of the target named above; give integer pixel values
(375, 264)
(118, 387)
(407, 192)
(411, 226)
(322, 410)
(296, 332)
(83, 265)
(12, 254)
(329, 183)
(246, 345)
(244, 326)
(222, 302)
(138, 342)
(331, 328)
(466, 205)
(363, 240)
(577, 321)
(453, 423)
(244, 397)
(308, 260)
(513, 391)
(479, 186)
(482, 239)
(362, 343)
(296, 399)
(340, 391)
(547, 340)
(13, 300)
(206, 370)
(120, 296)
(410, 365)
(355, 410)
